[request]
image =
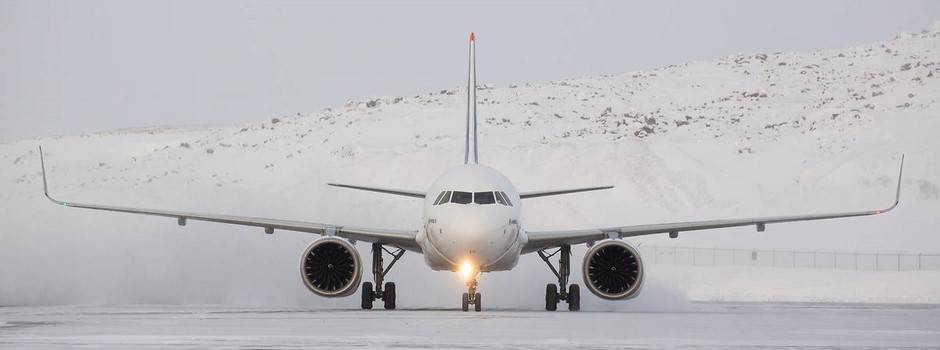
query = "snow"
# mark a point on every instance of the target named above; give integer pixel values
(698, 326)
(763, 284)
(744, 135)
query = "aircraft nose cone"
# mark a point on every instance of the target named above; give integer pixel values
(482, 239)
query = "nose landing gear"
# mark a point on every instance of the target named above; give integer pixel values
(471, 297)
(553, 294)
(387, 295)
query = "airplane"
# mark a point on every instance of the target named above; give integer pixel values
(471, 225)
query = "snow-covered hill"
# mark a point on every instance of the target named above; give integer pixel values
(761, 133)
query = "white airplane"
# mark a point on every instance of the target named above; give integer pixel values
(471, 225)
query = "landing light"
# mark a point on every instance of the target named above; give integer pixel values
(467, 270)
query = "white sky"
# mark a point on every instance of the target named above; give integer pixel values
(70, 67)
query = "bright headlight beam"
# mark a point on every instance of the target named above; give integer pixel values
(467, 270)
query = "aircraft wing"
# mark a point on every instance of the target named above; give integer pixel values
(536, 194)
(394, 191)
(401, 238)
(544, 239)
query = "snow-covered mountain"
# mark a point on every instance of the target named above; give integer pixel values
(763, 133)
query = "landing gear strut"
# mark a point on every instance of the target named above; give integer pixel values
(471, 297)
(553, 294)
(378, 273)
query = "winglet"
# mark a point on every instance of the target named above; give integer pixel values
(45, 185)
(897, 194)
(42, 163)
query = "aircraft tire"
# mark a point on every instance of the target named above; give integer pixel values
(368, 295)
(389, 296)
(551, 297)
(574, 297)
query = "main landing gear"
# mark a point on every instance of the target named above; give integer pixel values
(570, 294)
(471, 297)
(378, 273)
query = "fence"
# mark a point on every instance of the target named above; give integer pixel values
(834, 260)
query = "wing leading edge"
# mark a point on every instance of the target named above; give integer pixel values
(393, 191)
(402, 238)
(542, 239)
(536, 194)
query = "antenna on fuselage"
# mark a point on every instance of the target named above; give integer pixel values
(471, 154)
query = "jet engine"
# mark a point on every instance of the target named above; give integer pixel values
(612, 269)
(331, 267)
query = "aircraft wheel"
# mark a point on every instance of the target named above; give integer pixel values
(477, 306)
(551, 297)
(389, 296)
(368, 295)
(465, 302)
(574, 298)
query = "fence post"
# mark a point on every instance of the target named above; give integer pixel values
(675, 253)
(918, 261)
(899, 261)
(814, 259)
(773, 258)
(714, 256)
(835, 260)
(877, 262)
(856, 261)
(794, 259)
(693, 257)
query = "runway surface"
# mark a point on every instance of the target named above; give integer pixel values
(698, 326)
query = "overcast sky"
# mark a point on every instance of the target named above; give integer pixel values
(79, 66)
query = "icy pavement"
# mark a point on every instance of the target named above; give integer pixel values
(699, 326)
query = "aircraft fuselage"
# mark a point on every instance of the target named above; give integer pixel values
(466, 222)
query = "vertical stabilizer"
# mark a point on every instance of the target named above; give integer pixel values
(471, 153)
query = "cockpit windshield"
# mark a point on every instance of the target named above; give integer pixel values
(481, 198)
(484, 198)
(462, 197)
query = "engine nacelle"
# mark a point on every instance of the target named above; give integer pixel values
(331, 267)
(612, 269)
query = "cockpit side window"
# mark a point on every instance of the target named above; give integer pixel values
(461, 197)
(439, 197)
(446, 197)
(506, 198)
(499, 198)
(484, 198)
